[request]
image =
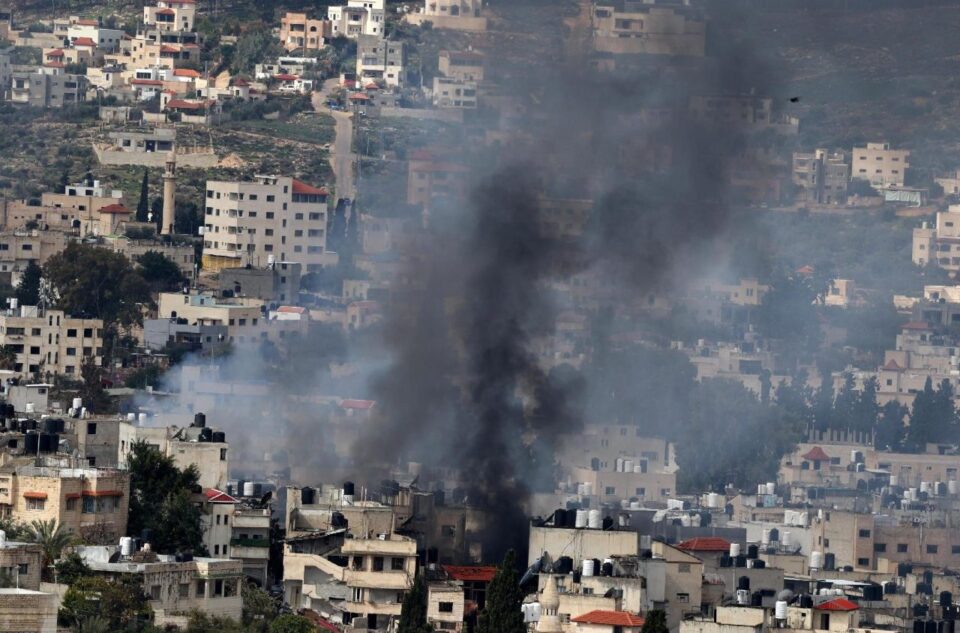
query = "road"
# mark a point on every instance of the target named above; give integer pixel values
(342, 157)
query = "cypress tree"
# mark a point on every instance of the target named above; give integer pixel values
(502, 612)
(413, 613)
(655, 622)
(143, 207)
(28, 290)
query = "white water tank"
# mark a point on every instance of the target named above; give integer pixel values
(623, 520)
(780, 610)
(765, 537)
(581, 519)
(628, 465)
(635, 505)
(3, 538)
(77, 403)
(952, 486)
(734, 549)
(594, 520)
(131, 417)
(637, 469)
(771, 488)
(581, 489)
(619, 464)
(714, 500)
(249, 489)
(785, 539)
(853, 457)
(743, 597)
(29, 408)
(685, 520)
(761, 489)
(925, 486)
(588, 567)
(142, 418)
(894, 480)
(588, 488)
(695, 520)
(913, 494)
(126, 546)
(816, 561)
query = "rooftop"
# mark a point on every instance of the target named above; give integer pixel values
(609, 618)
(705, 544)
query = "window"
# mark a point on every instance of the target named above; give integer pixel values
(955, 549)
(610, 490)
(448, 530)
(378, 563)
(358, 563)
(446, 607)
(184, 590)
(901, 548)
(71, 351)
(154, 592)
(36, 504)
(932, 549)
(864, 533)
(683, 598)
(863, 562)
(223, 454)
(683, 568)
(641, 492)
(91, 428)
(879, 547)
(396, 563)
(72, 333)
(72, 504)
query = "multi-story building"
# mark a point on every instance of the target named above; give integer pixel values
(462, 15)
(357, 18)
(87, 501)
(270, 218)
(939, 245)
(746, 112)
(880, 165)
(822, 176)
(176, 586)
(50, 342)
(629, 27)
(279, 283)
(250, 541)
(6, 72)
(48, 88)
(21, 246)
(241, 317)
(433, 179)
(218, 509)
(22, 563)
(380, 60)
(454, 93)
(465, 65)
(171, 15)
(297, 31)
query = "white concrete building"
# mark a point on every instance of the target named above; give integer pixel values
(880, 165)
(358, 17)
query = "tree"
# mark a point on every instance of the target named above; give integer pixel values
(259, 609)
(413, 613)
(8, 357)
(788, 313)
(71, 568)
(289, 623)
(28, 290)
(95, 397)
(866, 409)
(160, 501)
(253, 46)
(53, 539)
(95, 283)
(502, 612)
(655, 622)
(933, 418)
(120, 602)
(337, 231)
(161, 272)
(143, 207)
(890, 427)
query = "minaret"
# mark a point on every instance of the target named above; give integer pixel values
(169, 194)
(549, 605)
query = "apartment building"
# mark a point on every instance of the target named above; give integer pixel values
(277, 283)
(297, 31)
(92, 34)
(460, 94)
(939, 245)
(432, 178)
(880, 165)
(243, 318)
(380, 60)
(86, 501)
(357, 18)
(821, 176)
(464, 65)
(48, 88)
(176, 586)
(650, 28)
(171, 15)
(742, 111)
(19, 247)
(21, 562)
(218, 512)
(250, 541)
(270, 218)
(464, 15)
(49, 341)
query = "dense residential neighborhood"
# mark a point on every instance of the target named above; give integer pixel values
(485, 316)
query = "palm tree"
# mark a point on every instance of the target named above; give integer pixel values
(53, 539)
(93, 624)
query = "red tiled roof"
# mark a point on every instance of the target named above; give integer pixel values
(285, 77)
(146, 82)
(56, 53)
(816, 454)
(34, 495)
(358, 96)
(55, 65)
(892, 365)
(292, 309)
(218, 496)
(609, 618)
(241, 83)
(915, 325)
(470, 573)
(181, 104)
(166, 12)
(305, 189)
(186, 72)
(84, 41)
(705, 544)
(102, 493)
(362, 405)
(372, 86)
(164, 48)
(837, 604)
(806, 270)
(87, 23)
(114, 208)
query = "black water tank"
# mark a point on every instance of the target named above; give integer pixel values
(49, 442)
(919, 610)
(29, 425)
(31, 443)
(146, 535)
(774, 535)
(219, 437)
(576, 576)
(571, 519)
(931, 626)
(200, 420)
(564, 565)
(338, 521)
(925, 588)
(889, 587)
(348, 488)
(752, 551)
(607, 523)
(848, 568)
(48, 425)
(726, 561)
(743, 582)
(946, 599)
(705, 519)
(759, 564)
(756, 599)
(918, 626)
(740, 561)
(559, 517)
(206, 434)
(806, 601)
(307, 496)
(928, 577)
(606, 569)
(257, 490)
